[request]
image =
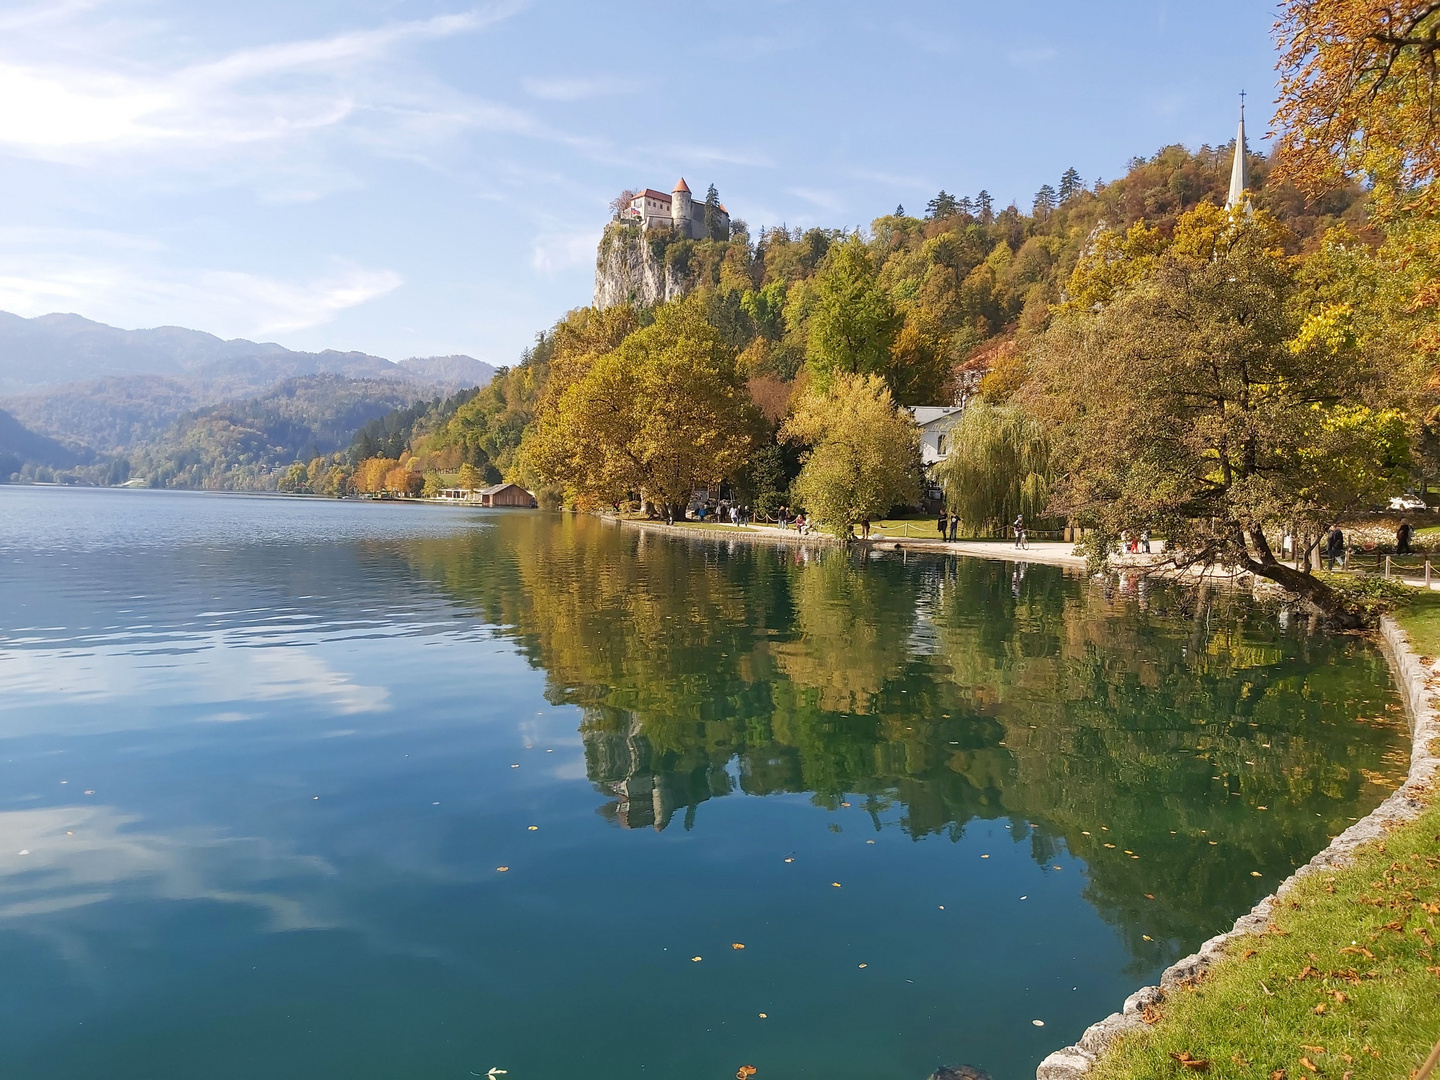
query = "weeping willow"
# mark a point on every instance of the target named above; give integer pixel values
(998, 467)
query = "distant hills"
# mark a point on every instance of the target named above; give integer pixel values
(75, 392)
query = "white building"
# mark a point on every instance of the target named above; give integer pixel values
(678, 210)
(935, 422)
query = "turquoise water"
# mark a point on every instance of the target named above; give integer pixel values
(261, 761)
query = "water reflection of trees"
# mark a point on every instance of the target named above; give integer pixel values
(947, 691)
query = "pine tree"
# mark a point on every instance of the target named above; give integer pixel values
(986, 207)
(713, 227)
(1070, 184)
(1044, 200)
(966, 205)
(942, 206)
(899, 210)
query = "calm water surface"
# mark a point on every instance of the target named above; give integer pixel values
(307, 789)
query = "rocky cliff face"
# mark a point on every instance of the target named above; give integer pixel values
(628, 269)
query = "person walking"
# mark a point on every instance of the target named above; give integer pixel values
(941, 523)
(954, 526)
(865, 528)
(1334, 548)
(1402, 537)
(1145, 540)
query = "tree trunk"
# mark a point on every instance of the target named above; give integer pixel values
(1302, 583)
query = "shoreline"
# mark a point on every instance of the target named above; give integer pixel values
(1405, 803)
(1049, 553)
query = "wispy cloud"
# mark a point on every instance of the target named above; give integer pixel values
(826, 200)
(894, 180)
(579, 89)
(229, 302)
(282, 91)
(556, 250)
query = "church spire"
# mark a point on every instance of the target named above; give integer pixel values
(1240, 167)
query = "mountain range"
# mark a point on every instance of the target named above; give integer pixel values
(74, 391)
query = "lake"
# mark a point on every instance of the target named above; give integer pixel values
(295, 788)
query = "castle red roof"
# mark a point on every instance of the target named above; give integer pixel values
(651, 193)
(682, 186)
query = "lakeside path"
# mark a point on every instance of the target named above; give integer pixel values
(1049, 553)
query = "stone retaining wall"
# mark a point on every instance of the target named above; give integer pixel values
(1412, 676)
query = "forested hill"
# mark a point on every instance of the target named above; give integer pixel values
(933, 299)
(50, 350)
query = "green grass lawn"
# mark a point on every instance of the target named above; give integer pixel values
(1345, 985)
(1420, 618)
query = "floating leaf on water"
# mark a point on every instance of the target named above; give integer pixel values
(942, 907)
(534, 828)
(1147, 937)
(1254, 873)
(864, 965)
(764, 1016)
(1149, 896)
(1038, 1023)
(502, 869)
(836, 884)
(736, 945)
(1110, 845)
(869, 841)
(1025, 897)
(745, 1072)
(695, 959)
(984, 856)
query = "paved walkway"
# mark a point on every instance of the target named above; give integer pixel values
(1050, 553)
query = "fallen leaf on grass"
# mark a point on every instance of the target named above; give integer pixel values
(1320, 1009)
(1340, 996)
(1314, 1049)
(1184, 1058)
(1309, 1064)
(1359, 950)
(1278, 1074)
(1249, 953)
(1150, 1014)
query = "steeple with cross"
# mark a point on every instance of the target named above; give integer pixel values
(1240, 166)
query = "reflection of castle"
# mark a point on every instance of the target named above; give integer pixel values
(648, 787)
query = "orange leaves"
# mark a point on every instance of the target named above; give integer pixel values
(1184, 1058)
(745, 1072)
(1309, 1065)
(736, 945)
(1359, 950)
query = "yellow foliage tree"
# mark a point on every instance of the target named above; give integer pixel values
(865, 455)
(660, 415)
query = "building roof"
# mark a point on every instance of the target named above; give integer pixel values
(925, 415)
(651, 193)
(493, 488)
(1239, 167)
(682, 186)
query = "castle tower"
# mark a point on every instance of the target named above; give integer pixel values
(680, 207)
(1240, 167)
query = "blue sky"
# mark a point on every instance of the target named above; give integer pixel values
(418, 177)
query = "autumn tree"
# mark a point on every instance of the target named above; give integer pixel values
(852, 320)
(864, 456)
(1194, 403)
(659, 415)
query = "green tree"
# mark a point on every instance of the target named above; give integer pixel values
(1070, 184)
(1194, 401)
(942, 205)
(853, 321)
(1044, 200)
(864, 456)
(713, 227)
(998, 466)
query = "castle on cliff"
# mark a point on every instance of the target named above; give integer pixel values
(651, 208)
